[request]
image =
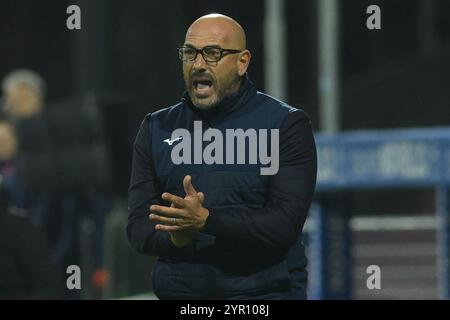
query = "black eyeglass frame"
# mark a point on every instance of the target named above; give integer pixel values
(223, 52)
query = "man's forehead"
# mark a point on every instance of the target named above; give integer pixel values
(203, 35)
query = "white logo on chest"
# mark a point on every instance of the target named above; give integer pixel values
(171, 141)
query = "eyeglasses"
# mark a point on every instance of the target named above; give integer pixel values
(209, 53)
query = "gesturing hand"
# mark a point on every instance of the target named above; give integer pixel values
(184, 237)
(187, 213)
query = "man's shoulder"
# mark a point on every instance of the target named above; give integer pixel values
(165, 113)
(278, 106)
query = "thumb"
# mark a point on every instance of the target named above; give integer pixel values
(188, 187)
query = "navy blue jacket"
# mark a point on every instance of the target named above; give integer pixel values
(251, 244)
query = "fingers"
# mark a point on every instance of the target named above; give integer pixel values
(167, 211)
(162, 227)
(164, 220)
(188, 187)
(201, 197)
(177, 202)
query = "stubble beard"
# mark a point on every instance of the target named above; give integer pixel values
(220, 93)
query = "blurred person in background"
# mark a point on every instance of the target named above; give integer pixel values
(26, 269)
(24, 98)
(8, 154)
(62, 164)
(240, 237)
(24, 92)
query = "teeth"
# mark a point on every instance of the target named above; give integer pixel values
(202, 86)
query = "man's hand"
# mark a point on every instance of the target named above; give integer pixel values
(182, 238)
(184, 214)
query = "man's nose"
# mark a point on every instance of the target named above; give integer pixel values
(199, 62)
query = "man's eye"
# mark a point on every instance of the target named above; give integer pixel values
(212, 52)
(189, 51)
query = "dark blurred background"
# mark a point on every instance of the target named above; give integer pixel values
(124, 56)
(125, 52)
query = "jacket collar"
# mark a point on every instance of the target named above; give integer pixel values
(226, 106)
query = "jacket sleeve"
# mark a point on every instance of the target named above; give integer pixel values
(279, 223)
(144, 192)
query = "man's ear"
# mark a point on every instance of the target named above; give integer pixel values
(243, 62)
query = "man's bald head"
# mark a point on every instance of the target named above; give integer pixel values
(226, 31)
(227, 59)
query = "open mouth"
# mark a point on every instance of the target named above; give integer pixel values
(202, 87)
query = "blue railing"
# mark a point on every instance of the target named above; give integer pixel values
(406, 158)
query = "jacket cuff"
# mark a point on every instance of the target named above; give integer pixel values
(211, 224)
(168, 249)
